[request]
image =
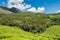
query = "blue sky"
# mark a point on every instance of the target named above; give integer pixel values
(49, 5)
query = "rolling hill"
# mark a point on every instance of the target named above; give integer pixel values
(29, 25)
(14, 33)
(29, 21)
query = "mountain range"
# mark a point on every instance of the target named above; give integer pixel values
(13, 9)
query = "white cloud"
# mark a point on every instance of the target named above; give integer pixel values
(33, 9)
(18, 4)
(39, 9)
(57, 11)
(16, 1)
(24, 7)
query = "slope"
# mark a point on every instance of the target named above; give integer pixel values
(14, 33)
(52, 33)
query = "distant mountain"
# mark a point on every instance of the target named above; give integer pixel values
(13, 9)
(6, 8)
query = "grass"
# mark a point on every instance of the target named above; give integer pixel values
(14, 33)
(53, 32)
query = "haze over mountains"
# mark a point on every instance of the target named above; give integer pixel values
(16, 10)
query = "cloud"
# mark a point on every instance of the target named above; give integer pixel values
(39, 9)
(57, 11)
(23, 6)
(18, 4)
(15, 1)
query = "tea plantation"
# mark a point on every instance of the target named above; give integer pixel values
(14, 33)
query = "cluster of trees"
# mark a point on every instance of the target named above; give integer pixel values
(28, 21)
(55, 18)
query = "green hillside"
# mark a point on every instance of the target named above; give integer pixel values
(53, 33)
(14, 33)
(29, 21)
(29, 26)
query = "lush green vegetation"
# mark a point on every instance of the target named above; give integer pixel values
(29, 26)
(52, 33)
(14, 33)
(31, 22)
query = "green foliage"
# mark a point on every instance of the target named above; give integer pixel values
(23, 25)
(52, 33)
(31, 22)
(55, 19)
(14, 33)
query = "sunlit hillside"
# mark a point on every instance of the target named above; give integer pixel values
(29, 26)
(14, 33)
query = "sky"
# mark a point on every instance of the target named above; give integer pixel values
(46, 6)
